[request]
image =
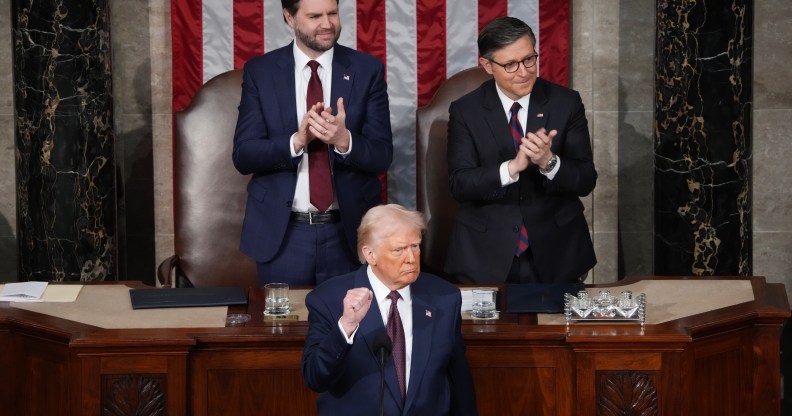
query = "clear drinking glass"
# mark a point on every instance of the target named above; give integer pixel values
(276, 299)
(483, 303)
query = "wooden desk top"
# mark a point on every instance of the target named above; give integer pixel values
(753, 297)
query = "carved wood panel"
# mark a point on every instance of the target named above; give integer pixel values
(626, 393)
(134, 395)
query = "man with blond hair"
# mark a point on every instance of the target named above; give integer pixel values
(427, 372)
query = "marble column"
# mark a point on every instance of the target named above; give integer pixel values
(703, 156)
(65, 162)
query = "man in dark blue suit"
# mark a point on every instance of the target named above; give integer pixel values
(519, 159)
(427, 372)
(314, 167)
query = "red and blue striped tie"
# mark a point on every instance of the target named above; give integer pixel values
(517, 135)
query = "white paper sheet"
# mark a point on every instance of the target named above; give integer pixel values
(23, 291)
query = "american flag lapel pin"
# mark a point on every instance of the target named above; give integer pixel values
(428, 314)
(346, 77)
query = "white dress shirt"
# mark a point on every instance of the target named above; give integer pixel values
(404, 306)
(522, 117)
(302, 73)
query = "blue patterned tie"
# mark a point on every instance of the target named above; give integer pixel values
(517, 135)
(396, 333)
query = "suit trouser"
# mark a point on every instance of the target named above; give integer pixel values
(309, 255)
(523, 270)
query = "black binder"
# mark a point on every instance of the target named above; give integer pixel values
(186, 297)
(539, 297)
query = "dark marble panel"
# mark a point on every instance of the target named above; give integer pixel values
(64, 140)
(703, 137)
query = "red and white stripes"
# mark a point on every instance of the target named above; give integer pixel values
(422, 42)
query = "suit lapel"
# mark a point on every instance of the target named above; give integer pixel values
(538, 111)
(423, 327)
(283, 80)
(497, 122)
(343, 77)
(341, 85)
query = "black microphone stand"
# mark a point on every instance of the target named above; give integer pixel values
(382, 347)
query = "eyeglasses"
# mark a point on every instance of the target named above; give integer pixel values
(512, 67)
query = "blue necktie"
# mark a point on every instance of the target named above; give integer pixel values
(517, 135)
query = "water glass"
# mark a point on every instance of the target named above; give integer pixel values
(483, 303)
(276, 299)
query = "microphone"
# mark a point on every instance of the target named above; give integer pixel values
(382, 347)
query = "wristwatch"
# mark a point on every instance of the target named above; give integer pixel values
(550, 165)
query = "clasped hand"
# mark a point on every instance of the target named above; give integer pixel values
(319, 123)
(534, 149)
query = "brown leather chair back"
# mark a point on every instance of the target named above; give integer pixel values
(209, 193)
(434, 196)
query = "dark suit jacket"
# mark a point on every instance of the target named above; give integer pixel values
(268, 118)
(487, 223)
(347, 376)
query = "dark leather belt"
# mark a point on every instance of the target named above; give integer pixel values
(329, 217)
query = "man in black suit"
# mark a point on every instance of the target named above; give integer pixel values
(520, 218)
(427, 372)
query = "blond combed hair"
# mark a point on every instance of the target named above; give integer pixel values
(382, 221)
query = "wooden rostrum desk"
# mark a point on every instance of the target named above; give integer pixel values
(719, 362)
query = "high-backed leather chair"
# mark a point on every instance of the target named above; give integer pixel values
(209, 194)
(434, 196)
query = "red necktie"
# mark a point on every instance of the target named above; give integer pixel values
(396, 333)
(318, 158)
(517, 135)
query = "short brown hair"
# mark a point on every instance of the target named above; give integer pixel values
(292, 6)
(501, 32)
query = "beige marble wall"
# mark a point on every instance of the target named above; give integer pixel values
(612, 44)
(604, 131)
(134, 138)
(161, 87)
(142, 55)
(772, 147)
(581, 76)
(635, 153)
(612, 63)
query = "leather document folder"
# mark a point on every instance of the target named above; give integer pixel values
(539, 297)
(186, 297)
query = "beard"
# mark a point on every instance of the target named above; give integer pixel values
(311, 41)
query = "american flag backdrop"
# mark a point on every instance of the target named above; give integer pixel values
(422, 42)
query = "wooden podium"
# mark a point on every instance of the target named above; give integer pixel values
(720, 362)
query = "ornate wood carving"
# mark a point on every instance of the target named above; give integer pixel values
(626, 393)
(133, 394)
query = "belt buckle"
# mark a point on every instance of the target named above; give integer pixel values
(310, 218)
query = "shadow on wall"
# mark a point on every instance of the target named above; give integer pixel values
(635, 194)
(135, 182)
(636, 138)
(8, 253)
